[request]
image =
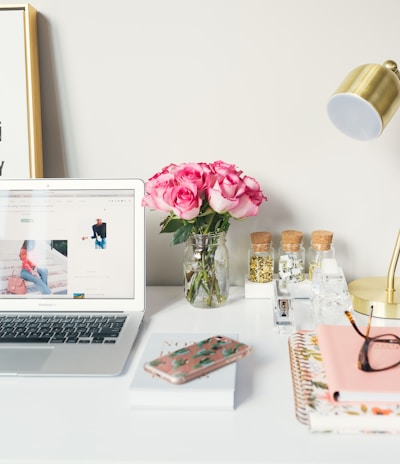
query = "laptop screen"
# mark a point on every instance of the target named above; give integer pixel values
(68, 244)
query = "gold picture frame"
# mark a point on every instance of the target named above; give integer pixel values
(21, 153)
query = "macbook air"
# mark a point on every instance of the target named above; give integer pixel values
(72, 275)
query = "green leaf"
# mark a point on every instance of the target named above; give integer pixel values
(182, 234)
(203, 362)
(170, 224)
(203, 353)
(179, 352)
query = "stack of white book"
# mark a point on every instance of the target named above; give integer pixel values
(215, 390)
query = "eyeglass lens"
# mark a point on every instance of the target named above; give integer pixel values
(383, 352)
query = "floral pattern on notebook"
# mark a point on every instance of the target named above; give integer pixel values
(312, 399)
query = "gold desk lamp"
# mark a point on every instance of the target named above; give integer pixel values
(361, 108)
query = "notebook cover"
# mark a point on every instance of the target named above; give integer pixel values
(313, 404)
(213, 391)
(340, 346)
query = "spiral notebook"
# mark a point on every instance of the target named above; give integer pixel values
(312, 401)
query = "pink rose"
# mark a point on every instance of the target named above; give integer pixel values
(224, 195)
(184, 200)
(190, 172)
(222, 169)
(155, 189)
(250, 201)
(170, 168)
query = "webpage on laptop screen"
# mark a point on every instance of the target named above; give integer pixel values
(67, 244)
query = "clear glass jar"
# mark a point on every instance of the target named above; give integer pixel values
(260, 258)
(206, 270)
(291, 257)
(320, 248)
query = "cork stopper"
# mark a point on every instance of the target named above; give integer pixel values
(291, 240)
(321, 239)
(261, 241)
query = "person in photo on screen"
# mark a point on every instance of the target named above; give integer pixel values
(99, 234)
(30, 270)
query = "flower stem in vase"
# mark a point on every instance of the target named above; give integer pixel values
(206, 263)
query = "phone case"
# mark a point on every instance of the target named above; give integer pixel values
(197, 359)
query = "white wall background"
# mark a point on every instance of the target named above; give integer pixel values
(132, 85)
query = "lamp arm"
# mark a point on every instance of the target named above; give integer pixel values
(392, 65)
(392, 269)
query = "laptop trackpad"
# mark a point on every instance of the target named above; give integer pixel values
(16, 360)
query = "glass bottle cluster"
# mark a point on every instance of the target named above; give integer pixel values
(291, 255)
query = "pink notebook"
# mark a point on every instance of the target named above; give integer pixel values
(339, 347)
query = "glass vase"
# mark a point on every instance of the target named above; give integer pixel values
(206, 270)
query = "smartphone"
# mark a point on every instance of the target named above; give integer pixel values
(197, 359)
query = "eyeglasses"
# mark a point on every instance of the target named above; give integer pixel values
(378, 353)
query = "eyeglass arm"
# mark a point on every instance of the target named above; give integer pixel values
(392, 270)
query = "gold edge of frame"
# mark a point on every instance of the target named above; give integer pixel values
(33, 92)
(32, 87)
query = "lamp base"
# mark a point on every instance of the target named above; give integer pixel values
(372, 291)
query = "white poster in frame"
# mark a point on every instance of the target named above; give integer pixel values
(20, 112)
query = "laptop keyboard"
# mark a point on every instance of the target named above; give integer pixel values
(60, 328)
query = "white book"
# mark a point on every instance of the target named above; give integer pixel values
(215, 390)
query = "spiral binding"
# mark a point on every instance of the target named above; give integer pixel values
(301, 376)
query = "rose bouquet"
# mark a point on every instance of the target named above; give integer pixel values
(201, 199)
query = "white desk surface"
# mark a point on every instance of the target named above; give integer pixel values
(89, 420)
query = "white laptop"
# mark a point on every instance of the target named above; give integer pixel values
(79, 247)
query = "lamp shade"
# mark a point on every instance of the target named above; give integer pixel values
(366, 100)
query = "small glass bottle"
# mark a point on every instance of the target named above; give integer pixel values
(320, 248)
(291, 257)
(261, 258)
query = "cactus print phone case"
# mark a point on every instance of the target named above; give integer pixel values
(197, 359)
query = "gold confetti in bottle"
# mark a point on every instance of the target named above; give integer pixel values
(320, 248)
(261, 258)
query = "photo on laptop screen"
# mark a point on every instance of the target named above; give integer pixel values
(69, 244)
